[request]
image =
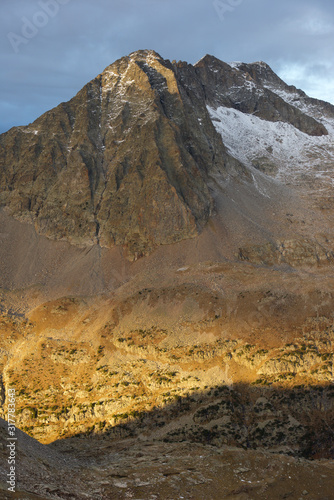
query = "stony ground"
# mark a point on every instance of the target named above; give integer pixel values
(145, 469)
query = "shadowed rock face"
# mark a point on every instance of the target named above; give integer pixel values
(97, 468)
(244, 87)
(263, 75)
(126, 161)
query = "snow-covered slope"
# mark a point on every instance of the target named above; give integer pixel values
(278, 149)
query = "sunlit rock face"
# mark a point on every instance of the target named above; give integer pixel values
(125, 162)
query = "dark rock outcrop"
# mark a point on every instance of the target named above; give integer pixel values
(241, 88)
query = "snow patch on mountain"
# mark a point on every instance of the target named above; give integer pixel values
(235, 64)
(298, 99)
(290, 152)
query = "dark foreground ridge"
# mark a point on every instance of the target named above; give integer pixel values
(219, 443)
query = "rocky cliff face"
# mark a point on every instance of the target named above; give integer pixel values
(239, 87)
(118, 382)
(127, 161)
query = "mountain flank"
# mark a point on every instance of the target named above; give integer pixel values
(166, 286)
(128, 160)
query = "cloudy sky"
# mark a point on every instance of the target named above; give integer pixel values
(50, 48)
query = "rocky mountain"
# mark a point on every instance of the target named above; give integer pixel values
(166, 274)
(125, 162)
(128, 160)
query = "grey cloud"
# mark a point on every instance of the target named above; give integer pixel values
(83, 37)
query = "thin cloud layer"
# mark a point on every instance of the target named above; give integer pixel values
(51, 48)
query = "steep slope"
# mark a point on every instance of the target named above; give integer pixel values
(125, 162)
(280, 142)
(166, 266)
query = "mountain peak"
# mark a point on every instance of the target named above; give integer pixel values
(220, 176)
(261, 64)
(139, 56)
(145, 54)
(209, 60)
(127, 161)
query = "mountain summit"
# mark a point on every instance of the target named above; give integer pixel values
(128, 161)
